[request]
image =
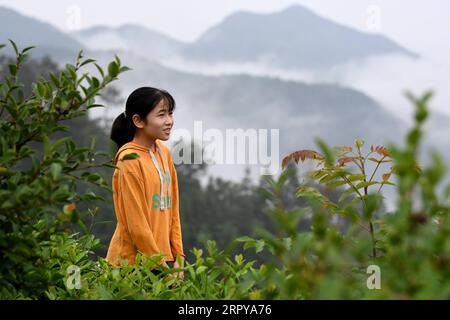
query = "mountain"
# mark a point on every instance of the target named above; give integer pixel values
(26, 31)
(294, 37)
(131, 37)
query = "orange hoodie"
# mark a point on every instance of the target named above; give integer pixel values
(147, 219)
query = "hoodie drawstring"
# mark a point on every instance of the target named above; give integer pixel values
(161, 177)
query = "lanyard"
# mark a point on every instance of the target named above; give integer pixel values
(161, 176)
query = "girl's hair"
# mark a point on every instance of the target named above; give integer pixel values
(141, 101)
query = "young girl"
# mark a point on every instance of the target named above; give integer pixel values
(146, 188)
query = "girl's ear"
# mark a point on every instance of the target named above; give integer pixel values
(138, 121)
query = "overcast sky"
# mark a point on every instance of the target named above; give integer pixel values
(422, 26)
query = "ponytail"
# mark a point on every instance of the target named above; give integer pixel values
(122, 130)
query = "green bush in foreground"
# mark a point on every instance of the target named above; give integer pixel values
(38, 206)
(367, 254)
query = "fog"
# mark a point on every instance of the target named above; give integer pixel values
(385, 78)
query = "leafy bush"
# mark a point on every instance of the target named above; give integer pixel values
(410, 246)
(39, 205)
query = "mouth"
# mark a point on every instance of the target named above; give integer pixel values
(167, 131)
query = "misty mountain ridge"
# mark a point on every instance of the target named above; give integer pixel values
(294, 37)
(132, 37)
(26, 31)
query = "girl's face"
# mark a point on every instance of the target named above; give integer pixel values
(159, 122)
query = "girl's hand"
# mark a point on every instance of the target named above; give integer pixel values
(178, 266)
(178, 275)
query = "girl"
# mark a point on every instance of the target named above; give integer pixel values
(145, 189)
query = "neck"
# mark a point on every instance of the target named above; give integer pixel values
(145, 142)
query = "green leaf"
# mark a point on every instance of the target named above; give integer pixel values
(47, 145)
(72, 71)
(62, 193)
(336, 184)
(201, 269)
(12, 69)
(238, 258)
(333, 175)
(359, 143)
(93, 177)
(117, 60)
(14, 47)
(284, 176)
(308, 191)
(349, 204)
(447, 192)
(373, 202)
(91, 196)
(55, 170)
(356, 177)
(124, 69)
(79, 55)
(345, 194)
(87, 61)
(317, 174)
(92, 143)
(259, 246)
(55, 79)
(330, 154)
(95, 106)
(28, 49)
(244, 239)
(100, 70)
(25, 151)
(41, 89)
(113, 69)
(365, 184)
(95, 82)
(59, 142)
(74, 216)
(130, 156)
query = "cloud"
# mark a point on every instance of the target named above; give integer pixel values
(385, 78)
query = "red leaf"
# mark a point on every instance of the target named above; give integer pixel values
(343, 161)
(301, 155)
(380, 150)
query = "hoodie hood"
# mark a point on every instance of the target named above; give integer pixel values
(133, 146)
